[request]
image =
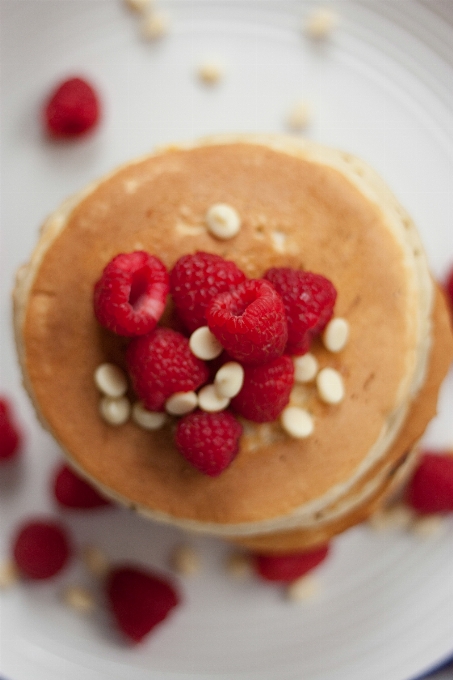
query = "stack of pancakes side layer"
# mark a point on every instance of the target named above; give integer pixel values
(302, 206)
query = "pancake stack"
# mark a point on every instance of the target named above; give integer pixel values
(302, 206)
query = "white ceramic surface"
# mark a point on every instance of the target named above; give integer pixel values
(381, 88)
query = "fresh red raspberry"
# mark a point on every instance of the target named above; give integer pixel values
(196, 279)
(72, 109)
(449, 288)
(431, 487)
(249, 322)
(265, 391)
(209, 441)
(309, 300)
(41, 549)
(130, 296)
(73, 492)
(161, 364)
(289, 567)
(139, 600)
(10, 438)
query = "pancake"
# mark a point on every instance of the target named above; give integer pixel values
(303, 206)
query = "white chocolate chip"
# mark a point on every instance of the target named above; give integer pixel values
(115, 411)
(138, 5)
(299, 116)
(209, 400)
(223, 221)
(336, 334)
(229, 379)
(239, 565)
(303, 588)
(320, 23)
(330, 386)
(204, 344)
(96, 561)
(154, 26)
(79, 598)
(9, 574)
(428, 526)
(149, 420)
(297, 422)
(210, 72)
(185, 560)
(181, 403)
(110, 380)
(393, 518)
(305, 368)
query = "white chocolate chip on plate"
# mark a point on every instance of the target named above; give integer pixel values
(96, 561)
(110, 380)
(78, 598)
(229, 379)
(429, 526)
(297, 422)
(303, 588)
(239, 565)
(223, 221)
(185, 560)
(299, 116)
(204, 345)
(209, 400)
(9, 574)
(149, 420)
(210, 72)
(320, 23)
(305, 368)
(330, 386)
(138, 5)
(115, 411)
(336, 334)
(181, 403)
(154, 26)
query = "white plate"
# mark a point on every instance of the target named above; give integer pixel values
(382, 89)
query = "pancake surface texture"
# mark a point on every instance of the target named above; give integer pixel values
(302, 206)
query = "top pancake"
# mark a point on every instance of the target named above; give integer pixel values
(301, 206)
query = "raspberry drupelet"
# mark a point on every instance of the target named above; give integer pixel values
(250, 322)
(10, 437)
(209, 441)
(73, 109)
(265, 391)
(196, 279)
(309, 300)
(161, 364)
(139, 599)
(130, 296)
(41, 548)
(289, 567)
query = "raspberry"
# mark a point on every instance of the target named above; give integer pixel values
(139, 600)
(10, 438)
(161, 364)
(130, 296)
(289, 567)
(72, 109)
(41, 549)
(309, 300)
(73, 492)
(196, 279)
(249, 322)
(449, 288)
(265, 391)
(209, 441)
(431, 487)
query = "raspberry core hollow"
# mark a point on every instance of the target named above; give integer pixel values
(301, 206)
